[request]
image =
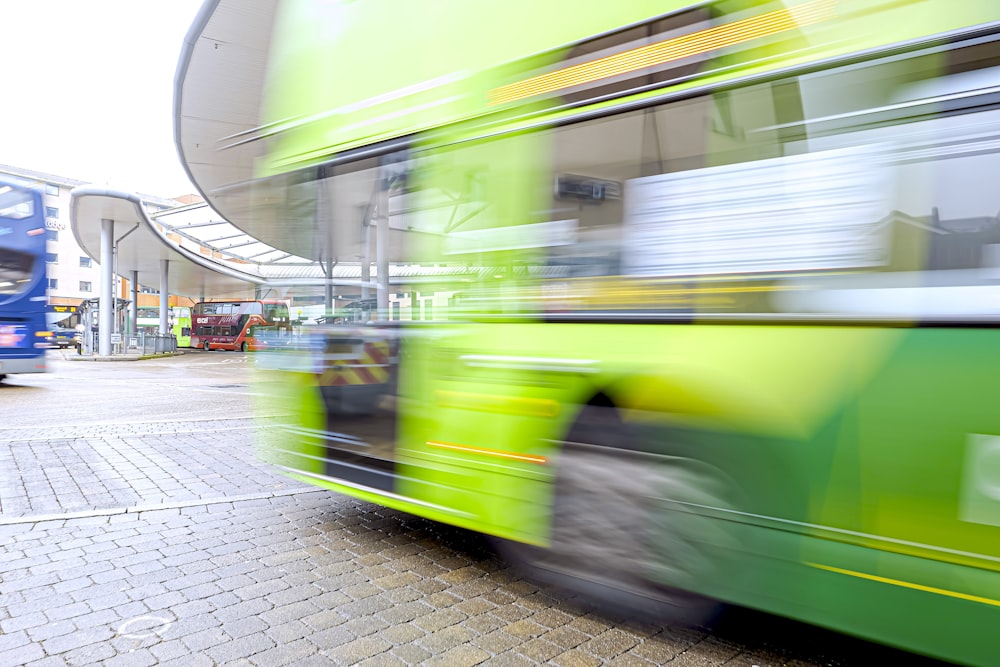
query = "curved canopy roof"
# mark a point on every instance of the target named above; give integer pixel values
(208, 256)
(240, 238)
(142, 243)
(217, 91)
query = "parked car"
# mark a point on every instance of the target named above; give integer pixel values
(62, 338)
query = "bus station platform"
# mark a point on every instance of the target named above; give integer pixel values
(131, 356)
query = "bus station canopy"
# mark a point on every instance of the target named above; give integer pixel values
(207, 256)
(223, 247)
(140, 243)
(218, 89)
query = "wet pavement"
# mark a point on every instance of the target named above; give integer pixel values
(292, 578)
(137, 528)
(127, 466)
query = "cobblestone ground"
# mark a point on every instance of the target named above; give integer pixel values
(130, 537)
(308, 579)
(137, 464)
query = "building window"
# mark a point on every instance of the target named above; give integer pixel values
(85, 262)
(52, 234)
(84, 285)
(51, 189)
(51, 212)
(53, 283)
(51, 258)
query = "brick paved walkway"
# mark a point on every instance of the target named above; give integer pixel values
(128, 539)
(50, 470)
(314, 578)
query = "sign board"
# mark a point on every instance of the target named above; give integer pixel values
(809, 212)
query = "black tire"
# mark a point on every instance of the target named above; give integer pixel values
(206, 346)
(612, 539)
(244, 346)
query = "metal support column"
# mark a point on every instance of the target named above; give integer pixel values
(328, 289)
(106, 302)
(382, 250)
(164, 297)
(133, 319)
(322, 228)
(117, 277)
(366, 261)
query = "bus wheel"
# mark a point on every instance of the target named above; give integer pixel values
(206, 346)
(244, 346)
(611, 538)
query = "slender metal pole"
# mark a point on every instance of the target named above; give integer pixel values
(105, 301)
(366, 261)
(117, 277)
(134, 309)
(382, 249)
(164, 297)
(323, 227)
(328, 288)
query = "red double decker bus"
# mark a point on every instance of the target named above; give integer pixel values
(236, 325)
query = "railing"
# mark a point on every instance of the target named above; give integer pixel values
(140, 343)
(143, 343)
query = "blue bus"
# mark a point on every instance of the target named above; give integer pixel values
(22, 280)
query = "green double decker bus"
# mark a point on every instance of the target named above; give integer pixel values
(717, 293)
(181, 318)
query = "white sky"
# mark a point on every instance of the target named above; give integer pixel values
(88, 90)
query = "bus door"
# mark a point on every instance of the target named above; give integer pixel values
(355, 374)
(242, 329)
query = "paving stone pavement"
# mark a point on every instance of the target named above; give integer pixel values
(129, 539)
(167, 542)
(139, 464)
(302, 579)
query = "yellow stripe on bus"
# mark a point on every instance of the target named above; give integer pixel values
(908, 584)
(530, 458)
(677, 48)
(535, 407)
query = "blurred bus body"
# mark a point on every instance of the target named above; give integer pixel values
(23, 328)
(721, 294)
